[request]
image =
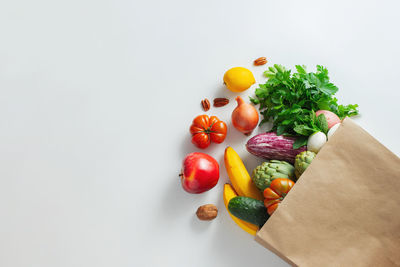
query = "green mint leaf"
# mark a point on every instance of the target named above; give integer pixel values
(280, 130)
(300, 141)
(303, 130)
(322, 123)
(313, 117)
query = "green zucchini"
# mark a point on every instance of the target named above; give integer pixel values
(249, 209)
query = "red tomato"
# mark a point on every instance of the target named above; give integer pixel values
(206, 129)
(276, 192)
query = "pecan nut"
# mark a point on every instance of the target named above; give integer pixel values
(260, 61)
(220, 102)
(207, 212)
(205, 104)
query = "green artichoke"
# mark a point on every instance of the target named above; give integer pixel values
(302, 161)
(264, 174)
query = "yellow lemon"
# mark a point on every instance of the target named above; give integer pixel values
(238, 79)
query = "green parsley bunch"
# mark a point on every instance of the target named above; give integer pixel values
(290, 101)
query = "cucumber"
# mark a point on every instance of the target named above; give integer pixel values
(249, 209)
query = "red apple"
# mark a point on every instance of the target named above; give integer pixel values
(331, 117)
(200, 173)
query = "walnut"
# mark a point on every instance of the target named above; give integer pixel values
(207, 212)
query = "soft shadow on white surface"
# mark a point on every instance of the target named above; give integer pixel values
(96, 102)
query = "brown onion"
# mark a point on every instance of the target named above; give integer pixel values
(244, 117)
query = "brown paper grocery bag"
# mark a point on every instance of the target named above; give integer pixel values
(345, 208)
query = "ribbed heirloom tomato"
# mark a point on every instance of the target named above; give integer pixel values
(276, 192)
(206, 129)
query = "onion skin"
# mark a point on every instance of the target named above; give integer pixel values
(244, 117)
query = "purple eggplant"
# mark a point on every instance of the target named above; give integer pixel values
(271, 146)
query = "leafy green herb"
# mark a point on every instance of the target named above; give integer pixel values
(322, 123)
(290, 101)
(300, 141)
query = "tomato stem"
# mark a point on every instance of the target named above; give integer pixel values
(208, 130)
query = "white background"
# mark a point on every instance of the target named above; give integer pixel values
(97, 98)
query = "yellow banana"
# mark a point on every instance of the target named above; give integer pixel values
(230, 193)
(239, 176)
